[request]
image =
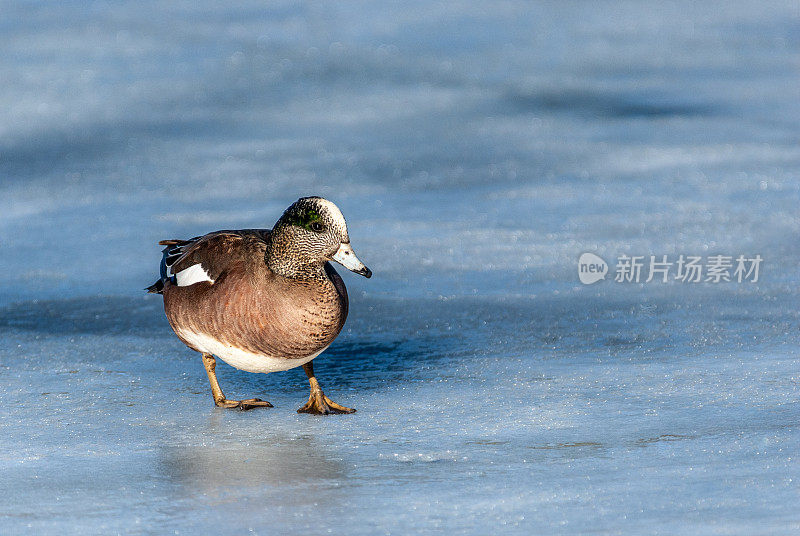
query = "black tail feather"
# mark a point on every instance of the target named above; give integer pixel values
(156, 288)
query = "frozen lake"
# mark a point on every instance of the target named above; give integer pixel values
(477, 152)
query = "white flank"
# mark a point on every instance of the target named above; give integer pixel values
(191, 275)
(242, 359)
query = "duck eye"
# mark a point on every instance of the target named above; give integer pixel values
(317, 227)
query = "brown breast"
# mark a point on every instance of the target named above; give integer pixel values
(253, 309)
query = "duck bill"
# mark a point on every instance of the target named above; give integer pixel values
(347, 258)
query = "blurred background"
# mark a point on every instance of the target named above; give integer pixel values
(476, 151)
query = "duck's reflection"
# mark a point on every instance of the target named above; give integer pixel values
(226, 458)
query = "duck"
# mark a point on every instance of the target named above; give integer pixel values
(262, 300)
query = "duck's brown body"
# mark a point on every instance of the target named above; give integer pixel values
(249, 316)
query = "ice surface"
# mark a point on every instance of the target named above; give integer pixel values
(477, 150)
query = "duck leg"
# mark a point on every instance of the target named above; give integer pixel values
(318, 403)
(219, 397)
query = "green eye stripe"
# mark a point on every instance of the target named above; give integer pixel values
(305, 219)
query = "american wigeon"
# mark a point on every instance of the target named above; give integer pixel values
(262, 300)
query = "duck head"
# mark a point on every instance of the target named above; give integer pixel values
(311, 232)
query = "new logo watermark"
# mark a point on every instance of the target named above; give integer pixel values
(663, 268)
(591, 268)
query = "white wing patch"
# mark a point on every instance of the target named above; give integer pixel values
(191, 275)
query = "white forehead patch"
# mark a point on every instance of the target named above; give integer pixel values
(335, 214)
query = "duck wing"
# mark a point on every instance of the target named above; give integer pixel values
(207, 257)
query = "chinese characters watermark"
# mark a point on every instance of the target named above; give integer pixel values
(663, 268)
